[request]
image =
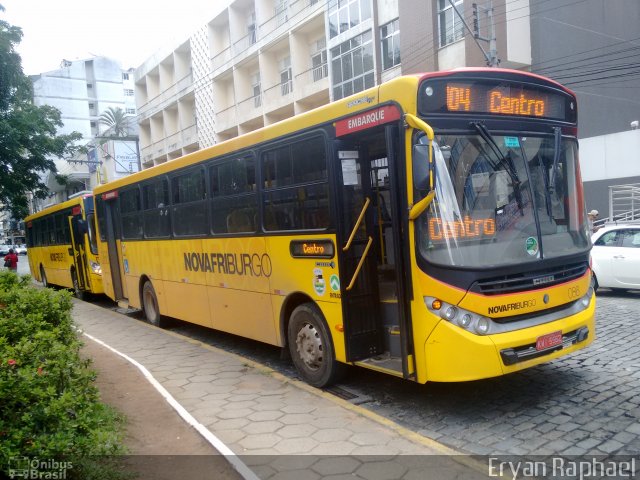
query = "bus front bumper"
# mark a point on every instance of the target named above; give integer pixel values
(455, 355)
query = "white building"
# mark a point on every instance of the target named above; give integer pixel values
(259, 61)
(255, 63)
(82, 90)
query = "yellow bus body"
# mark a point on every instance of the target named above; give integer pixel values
(198, 280)
(55, 259)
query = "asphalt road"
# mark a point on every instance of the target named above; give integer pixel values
(586, 403)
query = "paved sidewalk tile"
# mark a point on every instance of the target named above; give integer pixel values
(265, 418)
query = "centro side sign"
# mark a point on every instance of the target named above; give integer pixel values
(251, 264)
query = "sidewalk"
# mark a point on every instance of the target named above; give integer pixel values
(276, 426)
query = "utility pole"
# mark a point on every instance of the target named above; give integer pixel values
(491, 57)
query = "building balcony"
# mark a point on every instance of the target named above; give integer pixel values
(312, 81)
(244, 44)
(221, 59)
(225, 119)
(249, 109)
(174, 142)
(178, 90)
(146, 155)
(279, 95)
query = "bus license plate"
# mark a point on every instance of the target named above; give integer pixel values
(549, 340)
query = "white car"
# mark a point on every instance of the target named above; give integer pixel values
(616, 257)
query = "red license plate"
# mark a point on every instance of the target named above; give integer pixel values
(549, 340)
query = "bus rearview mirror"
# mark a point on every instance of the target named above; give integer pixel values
(423, 168)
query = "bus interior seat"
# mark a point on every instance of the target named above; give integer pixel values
(275, 219)
(239, 221)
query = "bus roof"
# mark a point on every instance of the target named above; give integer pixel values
(401, 90)
(59, 206)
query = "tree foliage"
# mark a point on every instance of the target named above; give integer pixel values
(115, 120)
(29, 142)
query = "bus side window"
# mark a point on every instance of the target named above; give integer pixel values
(234, 201)
(156, 219)
(130, 213)
(189, 208)
(296, 194)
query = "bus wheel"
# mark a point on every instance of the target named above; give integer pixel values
(150, 305)
(311, 348)
(77, 291)
(43, 277)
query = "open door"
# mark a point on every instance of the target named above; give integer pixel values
(375, 311)
(78, 229)
(114, 247)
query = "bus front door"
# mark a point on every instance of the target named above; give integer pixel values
(374, 305)
(114, 248)
(77, 227)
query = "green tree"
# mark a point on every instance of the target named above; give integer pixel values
(29, 142)
(115, 120)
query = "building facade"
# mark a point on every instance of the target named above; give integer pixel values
(259, 61)
(82, 90)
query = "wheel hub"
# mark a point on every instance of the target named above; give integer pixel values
(309, 347)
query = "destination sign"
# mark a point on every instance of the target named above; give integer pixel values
(466, 229)
(312, 249)
(495, 98)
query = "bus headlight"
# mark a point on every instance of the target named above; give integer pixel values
(95, 268)
(482, 326)
(450, 313)
(471, 322)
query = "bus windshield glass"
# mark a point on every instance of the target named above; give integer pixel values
(502, 199)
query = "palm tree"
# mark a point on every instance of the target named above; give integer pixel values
(115, 120)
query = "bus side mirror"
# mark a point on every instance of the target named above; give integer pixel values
(423, 168)
(423, 178)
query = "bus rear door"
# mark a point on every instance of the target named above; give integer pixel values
(117, 262)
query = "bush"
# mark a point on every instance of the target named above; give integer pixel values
(49, 407)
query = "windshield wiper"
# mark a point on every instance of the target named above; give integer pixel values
(502, 160)
(557, 139)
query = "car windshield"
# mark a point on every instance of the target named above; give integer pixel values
(502, 199)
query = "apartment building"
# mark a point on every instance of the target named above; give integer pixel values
(259, 61)
(82, 90)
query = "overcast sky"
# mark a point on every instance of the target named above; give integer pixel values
(129, 31)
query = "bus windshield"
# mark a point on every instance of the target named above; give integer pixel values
(502, 199)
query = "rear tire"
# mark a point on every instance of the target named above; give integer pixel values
(150, 305)
(43, 277)
(311, 347)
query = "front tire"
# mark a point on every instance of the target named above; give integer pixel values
(150, 305)
(311, 347)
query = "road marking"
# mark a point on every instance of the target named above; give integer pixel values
(439, 448)
(215, 442)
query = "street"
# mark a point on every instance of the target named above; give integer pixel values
(586, 403)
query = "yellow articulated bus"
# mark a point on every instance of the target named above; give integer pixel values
(62, 246)
(432, 228)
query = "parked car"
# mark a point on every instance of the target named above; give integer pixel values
(4, 249)
(21, 249)
(616, 257)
